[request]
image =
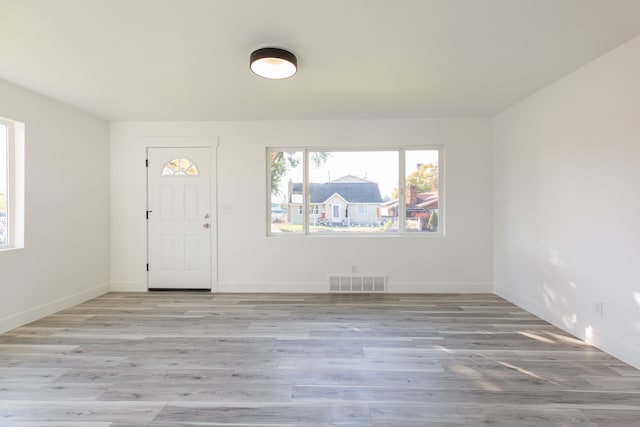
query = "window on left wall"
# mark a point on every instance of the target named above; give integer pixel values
(11, 184)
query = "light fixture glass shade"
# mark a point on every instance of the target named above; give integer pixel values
(273, 63)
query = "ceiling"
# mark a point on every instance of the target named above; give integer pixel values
(189, 59)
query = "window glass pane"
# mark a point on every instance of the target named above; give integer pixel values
(349, 189)
(179, 167)
(286, 192)
(421, 192)
(4, 170)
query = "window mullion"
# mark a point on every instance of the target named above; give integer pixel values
(268, 170)
(306, 199)
(402, 208)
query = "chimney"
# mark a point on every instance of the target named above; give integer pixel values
(411, 198)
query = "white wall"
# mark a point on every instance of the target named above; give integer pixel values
(65, 259)
(565, 209)
(248, 260)
(567, 203)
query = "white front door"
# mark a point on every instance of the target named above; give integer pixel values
(179, 218)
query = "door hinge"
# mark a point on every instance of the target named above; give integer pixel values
(146, 163)
(148, 214)
(147, 266)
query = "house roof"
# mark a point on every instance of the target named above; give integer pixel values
(352, 192)
(423, 201)
(349, 178)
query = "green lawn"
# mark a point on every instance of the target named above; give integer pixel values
(286, 228)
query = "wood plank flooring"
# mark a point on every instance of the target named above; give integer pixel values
(185, 359)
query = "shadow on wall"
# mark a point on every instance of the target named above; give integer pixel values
(557, 289)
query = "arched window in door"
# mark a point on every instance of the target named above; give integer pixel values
(180, 166)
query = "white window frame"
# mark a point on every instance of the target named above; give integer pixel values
(15, 184)
(401, 150)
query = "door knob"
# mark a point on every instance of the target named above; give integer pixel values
(206, 225)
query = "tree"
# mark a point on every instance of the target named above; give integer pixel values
(425, 179)
(433, 221)
(319, 157)
(282, 161)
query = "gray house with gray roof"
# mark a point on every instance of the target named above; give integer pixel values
(344, 201)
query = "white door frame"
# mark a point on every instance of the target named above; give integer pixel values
(178, 142)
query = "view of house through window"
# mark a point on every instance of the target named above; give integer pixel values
(348, 188)
(355, 191)
(4, 184)
(286, 167)
(421, 190)
(11, 184)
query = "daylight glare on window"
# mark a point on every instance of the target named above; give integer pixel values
(356, 192)
(4, 176)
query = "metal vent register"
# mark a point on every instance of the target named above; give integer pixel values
(357, 283)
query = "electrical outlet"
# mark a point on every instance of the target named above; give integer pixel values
(226, 209)
(354, 269)
(598, 308)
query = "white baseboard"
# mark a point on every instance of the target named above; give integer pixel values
(27, 316)
(618, 349)
(539, 310)
(440, 288)
(323, 288)
(128, 287)
(628, 353)
(272, 287)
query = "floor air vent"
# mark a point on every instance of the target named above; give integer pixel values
(357, 283)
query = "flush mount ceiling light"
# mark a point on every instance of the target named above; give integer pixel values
(273, 63)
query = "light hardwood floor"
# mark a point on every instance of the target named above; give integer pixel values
(186, 359)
